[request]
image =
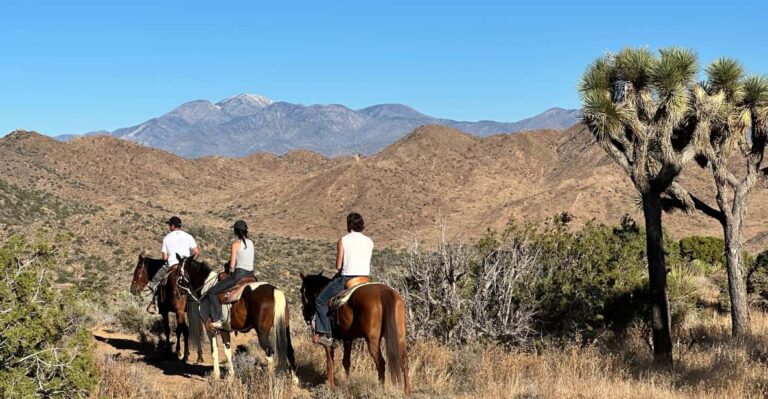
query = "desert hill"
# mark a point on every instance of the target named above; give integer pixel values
(435, 176)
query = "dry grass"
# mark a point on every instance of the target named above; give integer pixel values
(708, 365)
(124, 380)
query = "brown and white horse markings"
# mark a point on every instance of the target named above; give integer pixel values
(263, 309)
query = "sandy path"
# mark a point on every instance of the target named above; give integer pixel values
(164, 369)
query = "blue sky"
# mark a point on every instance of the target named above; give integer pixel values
(78, 66)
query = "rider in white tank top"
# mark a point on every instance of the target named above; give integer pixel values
(358, 249)
(245, 255)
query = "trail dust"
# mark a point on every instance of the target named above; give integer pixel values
(161, 367)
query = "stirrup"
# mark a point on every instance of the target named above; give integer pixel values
(152, 307)
(216, 324)
(326, 340)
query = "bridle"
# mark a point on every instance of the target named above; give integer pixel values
(188, 283)
(144, 271)
(306, 302)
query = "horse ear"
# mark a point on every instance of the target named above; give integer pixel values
(321, 273)
(302, 276)
(180, 259)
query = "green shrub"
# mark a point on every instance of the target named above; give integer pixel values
(707, 249)
(757, 279)
(586, 281)
(42, 351)
(595, 277)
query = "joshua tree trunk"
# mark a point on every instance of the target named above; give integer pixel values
(734, 258)
(657, 272)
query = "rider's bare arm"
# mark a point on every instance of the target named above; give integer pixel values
(195, 252)
(339, 256)
(165, 256)
(233, 255)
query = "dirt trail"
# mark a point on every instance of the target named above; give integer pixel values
(160, 367)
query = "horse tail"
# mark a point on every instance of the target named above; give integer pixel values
(280, 325)
(195, 325)
(394, 333)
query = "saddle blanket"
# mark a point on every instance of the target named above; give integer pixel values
(225, 308)
(342, 297)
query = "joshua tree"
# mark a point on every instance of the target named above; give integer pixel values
(637, 105)
(734, 108)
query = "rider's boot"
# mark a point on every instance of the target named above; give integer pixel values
(152, 307)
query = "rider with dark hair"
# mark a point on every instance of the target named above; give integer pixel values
(240, 265)
(177, 241)
(353, 259)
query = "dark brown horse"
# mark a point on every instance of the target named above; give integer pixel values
(171, 300)
(262, 308)
(373, 312)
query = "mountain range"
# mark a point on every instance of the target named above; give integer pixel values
(101, 187)
(245, 124)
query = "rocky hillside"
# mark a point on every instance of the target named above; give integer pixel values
(112, 195)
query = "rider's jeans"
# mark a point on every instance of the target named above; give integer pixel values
(158, 278)
(322, 318)
(222, 286)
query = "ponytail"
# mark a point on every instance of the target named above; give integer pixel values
(242, 235)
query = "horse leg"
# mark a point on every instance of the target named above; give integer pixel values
(265, 344)
(199, 352)
(225, 337)
(404, 364)
(346, 361)
(178, 335)
(291, 355)
(167, 330)
(182, 330)
(374, 346)
(329, 365)
(215, 356)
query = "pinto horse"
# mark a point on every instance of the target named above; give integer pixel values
(172, 300)
(373, 312)
(263, 309)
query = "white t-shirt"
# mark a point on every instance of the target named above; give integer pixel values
(178, 242)
(358, 249)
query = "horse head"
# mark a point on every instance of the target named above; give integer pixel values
(192, 273)
(145, 270)
(311, 285)
(140, 277)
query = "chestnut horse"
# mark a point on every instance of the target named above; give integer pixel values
(373, 312)
(263, 309)
(172, 300)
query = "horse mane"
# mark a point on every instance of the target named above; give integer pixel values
(316, 281)
(199, 266)
(152, 265)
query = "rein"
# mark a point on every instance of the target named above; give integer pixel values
(144, 270)
(190, 292)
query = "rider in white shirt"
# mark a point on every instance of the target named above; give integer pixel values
(176, 242)
(353, 259)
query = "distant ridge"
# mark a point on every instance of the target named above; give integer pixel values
(246, 123)
(432, 176)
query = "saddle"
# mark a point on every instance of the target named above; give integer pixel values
(342, 297)
(356, 281)
(233, 294)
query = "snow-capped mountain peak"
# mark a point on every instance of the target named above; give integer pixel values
(244, 104)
